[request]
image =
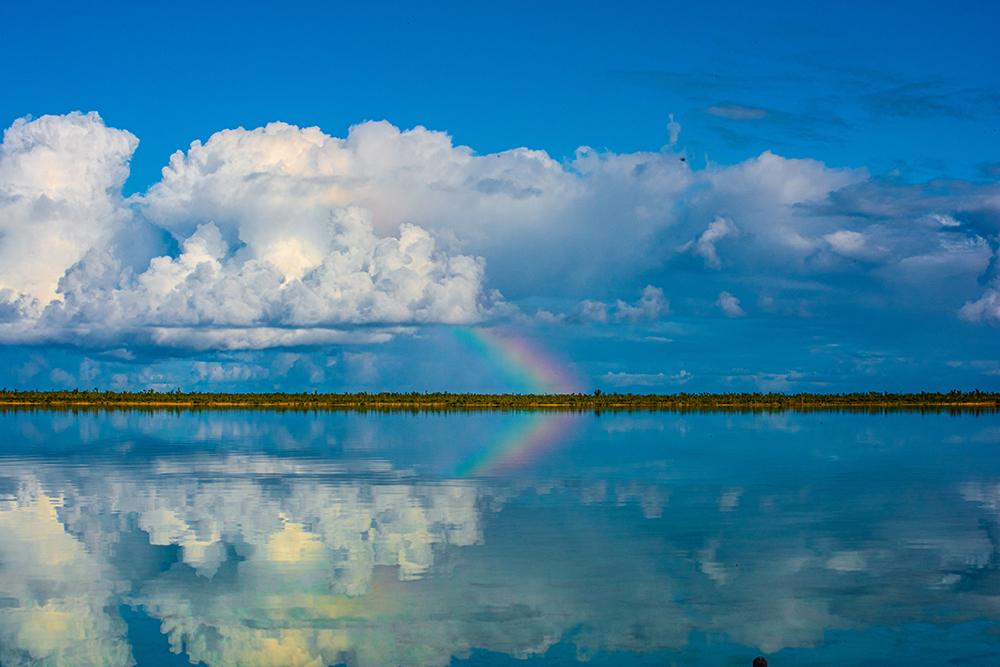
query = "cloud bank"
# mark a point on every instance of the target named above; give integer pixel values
(254, 265)
(284, 236)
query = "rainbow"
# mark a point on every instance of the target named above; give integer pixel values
(532, 435)
(519, 360)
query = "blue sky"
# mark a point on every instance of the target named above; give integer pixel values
(821, 213)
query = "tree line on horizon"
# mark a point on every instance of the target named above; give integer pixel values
(449, 400)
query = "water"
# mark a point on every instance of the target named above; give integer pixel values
(302, 538)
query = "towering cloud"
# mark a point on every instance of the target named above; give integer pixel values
(60, 195)
(264, 247)
(283, 236)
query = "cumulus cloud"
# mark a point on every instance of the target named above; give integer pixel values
(218, 372)
(730, 305)
(651, 306)
(845, 241)
(358, 279)
(283, 236)
(984, 309)
(547, 317)
(705, 244)
(591, 311)
(60, 194)
(260, 259)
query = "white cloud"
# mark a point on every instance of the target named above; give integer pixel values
(592, 311)
(287, 236)
(984, 309)
(775, 381)
(214, 372)
(673, 129)
(280, 258)
(730, 305)
(705, 244)
(645, 379)
(60, 195)
(945, 220)
(359, 279)
(651, 306)
(283, 363)
(546, 317)
(846, 241)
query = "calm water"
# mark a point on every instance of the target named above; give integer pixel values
(267, 538)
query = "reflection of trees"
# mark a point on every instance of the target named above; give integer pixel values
(280, 566)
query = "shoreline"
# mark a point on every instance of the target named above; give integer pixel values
(443, 401)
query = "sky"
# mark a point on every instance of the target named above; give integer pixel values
(650, 197)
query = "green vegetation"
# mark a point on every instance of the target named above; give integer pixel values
(974, 400)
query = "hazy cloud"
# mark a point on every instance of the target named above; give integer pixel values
(991, 169)
(652, 306)
(984, 309)
(591, 311)
(730, 305)
(736, 112)
(931, 98)
(673, 130)
(705, 244)
(645, 379)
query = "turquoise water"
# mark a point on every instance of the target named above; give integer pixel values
(283, 538)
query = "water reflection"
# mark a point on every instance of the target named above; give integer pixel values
(361, 553)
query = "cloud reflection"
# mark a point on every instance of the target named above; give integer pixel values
(270, 561)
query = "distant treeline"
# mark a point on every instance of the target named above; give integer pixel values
(447, 400)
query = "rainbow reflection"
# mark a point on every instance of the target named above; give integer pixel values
(533, 435)
(529, 440)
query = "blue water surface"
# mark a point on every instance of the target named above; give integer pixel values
(241, 537)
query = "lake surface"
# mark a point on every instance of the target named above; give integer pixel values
(487, 538)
